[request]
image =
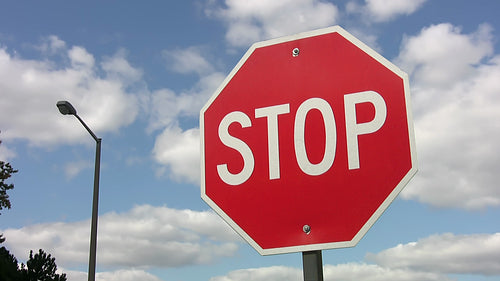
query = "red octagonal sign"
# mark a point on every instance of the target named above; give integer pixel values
(307, 142)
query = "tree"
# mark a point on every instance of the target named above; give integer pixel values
(8, 263)
(6, 171)
(41, 267)
(8, 266)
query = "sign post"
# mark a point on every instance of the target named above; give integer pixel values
(312, 263)
(306, 143)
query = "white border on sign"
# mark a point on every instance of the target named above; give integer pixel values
(387, 201)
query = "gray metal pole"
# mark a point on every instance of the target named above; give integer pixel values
(95, 205)
(313, 265)
(67, 109)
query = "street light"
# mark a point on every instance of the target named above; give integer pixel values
(67, 109)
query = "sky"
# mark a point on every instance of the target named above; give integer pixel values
(138, 73)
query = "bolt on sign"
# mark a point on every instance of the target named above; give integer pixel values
(306, 142)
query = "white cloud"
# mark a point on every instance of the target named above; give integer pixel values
(382, 10)
(126, 275)
(117, 67)
(430, 259)
(371, 272)
(446, 253)
(167, 107)
(441, 55)
(386, 10)
(71, 169)
(164, 109)
(346, 272)
(117, 275)
(5, 153)
(80, 58)
(251, 21)
(51, 45)
(31, 88)
(177, 149)
(276, 273)
(189, 60)
(107, 94)
(158, 237)
(455, 99)
(180, 152)
(155, 237)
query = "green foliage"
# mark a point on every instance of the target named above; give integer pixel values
(8, 266)
(6, 171)
(41, 267)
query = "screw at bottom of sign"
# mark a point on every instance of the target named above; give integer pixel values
(307, 229)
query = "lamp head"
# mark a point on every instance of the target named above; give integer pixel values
(66, 108)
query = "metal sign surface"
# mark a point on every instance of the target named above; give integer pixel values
(306, 142)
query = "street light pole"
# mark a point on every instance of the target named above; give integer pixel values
(95, 205)
(67, 109)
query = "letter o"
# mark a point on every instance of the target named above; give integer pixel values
(330, 136)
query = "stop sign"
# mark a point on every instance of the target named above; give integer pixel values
(307, 142)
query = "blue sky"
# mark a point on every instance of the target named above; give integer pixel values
(139, 72)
